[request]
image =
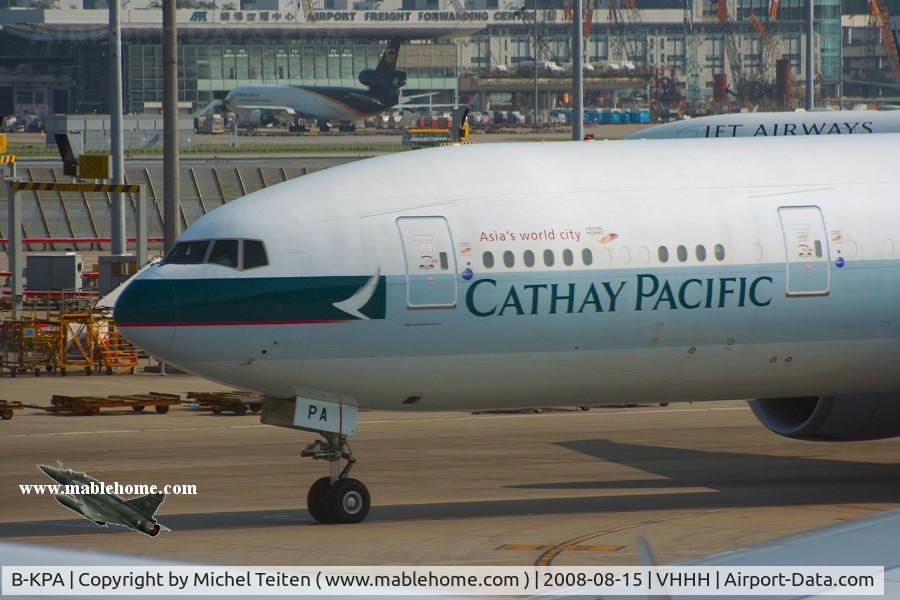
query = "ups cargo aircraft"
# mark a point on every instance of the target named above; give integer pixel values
(777, 124)
(557, 274)
(261, 103)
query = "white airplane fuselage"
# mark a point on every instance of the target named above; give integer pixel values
(661, 271)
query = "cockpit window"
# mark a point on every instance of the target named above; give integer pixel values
(254, 254)
(225, 253)
(188, 253)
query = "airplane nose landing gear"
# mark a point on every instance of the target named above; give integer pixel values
(336, 498)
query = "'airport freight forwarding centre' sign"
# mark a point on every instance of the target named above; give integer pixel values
(280, 18)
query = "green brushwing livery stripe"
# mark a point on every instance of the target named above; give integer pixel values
(244, 301)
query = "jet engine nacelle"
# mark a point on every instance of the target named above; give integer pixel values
(261, 118)
(389, 80)
(831, 418)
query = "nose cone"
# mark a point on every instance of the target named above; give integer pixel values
(53, 473)
(147, 313)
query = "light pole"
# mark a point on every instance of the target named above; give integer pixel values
(117, 204)
(171, 180)
(810, 54)
(534, 52)
(578, 71)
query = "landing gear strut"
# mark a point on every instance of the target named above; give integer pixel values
(336, 498)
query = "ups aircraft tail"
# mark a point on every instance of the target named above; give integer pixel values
(384, 81)
(388, 61)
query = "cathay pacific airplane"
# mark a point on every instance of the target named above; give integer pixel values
(557, 274)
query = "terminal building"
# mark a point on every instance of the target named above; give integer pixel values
(53, 53)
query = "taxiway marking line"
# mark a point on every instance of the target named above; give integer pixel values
(579, 414)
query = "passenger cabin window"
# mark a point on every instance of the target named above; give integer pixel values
(719, 252)
(488, 259)
(568, 258)
(682, 254)
(254, 254)
(587, 257)
(663, 253)
(225, 253)
(549, 259)
(701, 252)
(509, 259)
(528, 258)
(187, 253)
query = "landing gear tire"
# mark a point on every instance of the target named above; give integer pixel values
(347, 501)
(315, 499)
(336, 498)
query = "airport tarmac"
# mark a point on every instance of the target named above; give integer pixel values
(561, 487)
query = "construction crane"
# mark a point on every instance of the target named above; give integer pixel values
(617, 50)
(625, 16)
(769, 46)
(750, 86)
(587, 17)
(882, 20)
(692, 68)
(633, 42)
(731, 50)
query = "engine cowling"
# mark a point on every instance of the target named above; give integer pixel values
(382, 80)
(831, 418)
(260, 118)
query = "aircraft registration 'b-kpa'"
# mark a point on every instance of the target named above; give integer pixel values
(513, 275)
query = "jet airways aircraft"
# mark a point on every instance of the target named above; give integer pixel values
(516, 275)
(262, 102)
(777, 124)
